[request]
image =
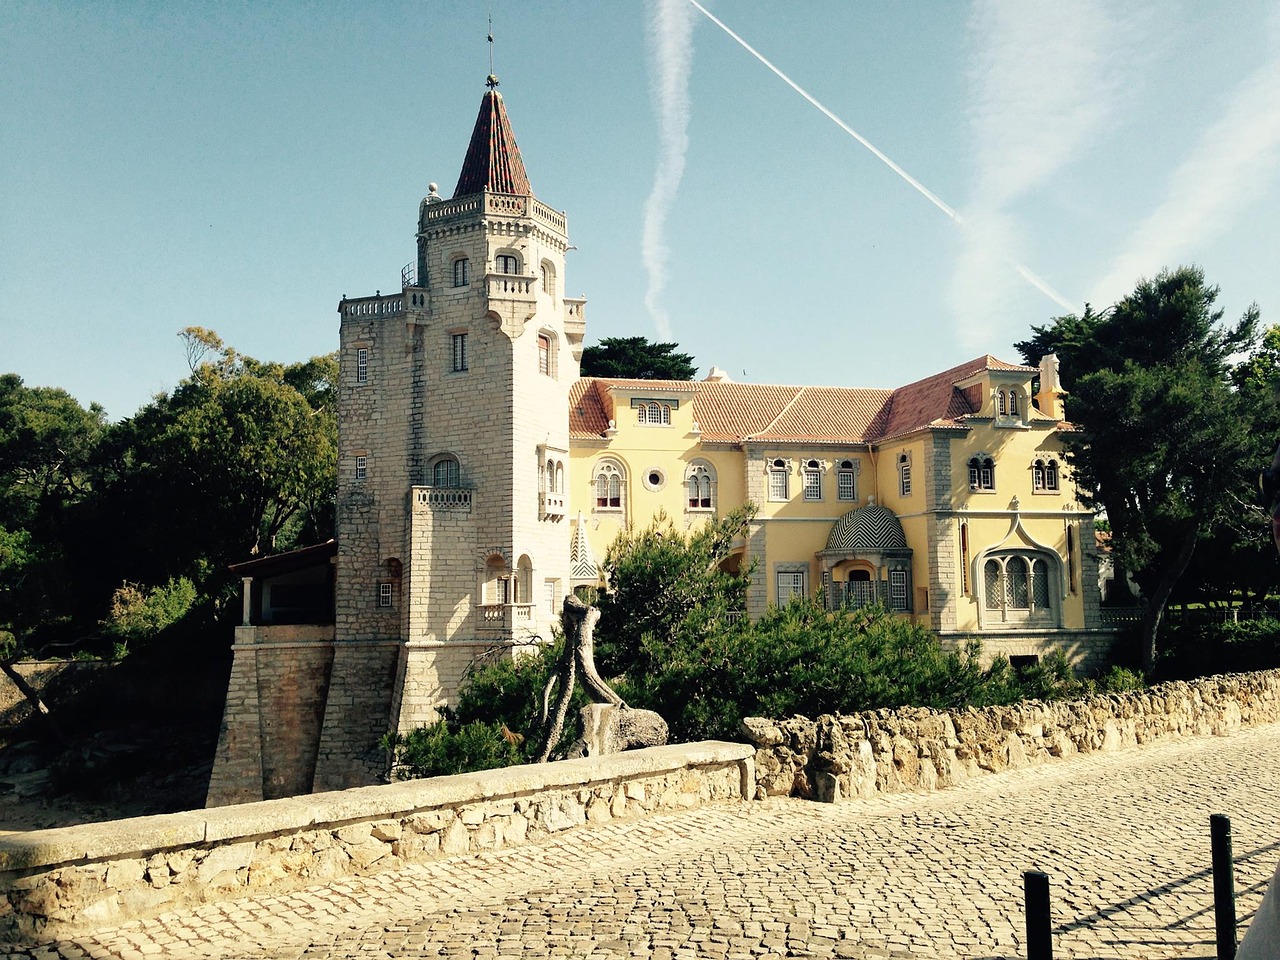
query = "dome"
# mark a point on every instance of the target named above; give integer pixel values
(868, 528)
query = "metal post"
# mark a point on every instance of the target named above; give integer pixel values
(1224, 886)
(1035, 889)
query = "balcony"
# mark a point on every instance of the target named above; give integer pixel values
(551, 506)
(504, 619)
(444, 498)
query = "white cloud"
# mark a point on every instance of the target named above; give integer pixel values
(671, 57)
(1233, 161)
(1048, 78)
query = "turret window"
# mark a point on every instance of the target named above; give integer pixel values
(362, 365)
(446, 473)
(548, 278)
(461, 272)
(506, 263)
(458, 352)
(362, 467)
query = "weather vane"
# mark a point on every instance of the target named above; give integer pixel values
(492, 81)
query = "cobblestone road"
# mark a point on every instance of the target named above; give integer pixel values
(1124, 838)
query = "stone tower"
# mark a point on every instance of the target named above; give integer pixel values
(453, 445)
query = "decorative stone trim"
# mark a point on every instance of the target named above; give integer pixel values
(56, 882)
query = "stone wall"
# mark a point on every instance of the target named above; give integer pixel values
(888, 751)
(56, 882)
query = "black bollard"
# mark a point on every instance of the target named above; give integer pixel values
(1224, 885)
(1035, 890)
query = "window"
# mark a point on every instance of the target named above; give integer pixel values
(1013, 403)
(548, 278)
(778, 477)
(362, 467)
(461, 272)
(458, 343)
(552, 589)
(506, 263)
(904, 474)
(982, 473)
(1016, 587)
(812, 480)
(544, 355)
(384, 594)
(1001, 406)
(791, 583)
(898, 590)
(446, 473)
(362, 365)
(1051, 475)
(700, 480)
(609, 486)
(846, 481)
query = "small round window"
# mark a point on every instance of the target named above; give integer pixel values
(654, 479)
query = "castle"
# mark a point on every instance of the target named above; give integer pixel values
(480, 479)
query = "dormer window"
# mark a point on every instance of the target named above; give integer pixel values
(653, 413)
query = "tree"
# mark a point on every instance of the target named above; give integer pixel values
(1163, 444)
(635, 358)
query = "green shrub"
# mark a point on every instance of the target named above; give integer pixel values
(443, 749)
(1120, 679)
(139, 614)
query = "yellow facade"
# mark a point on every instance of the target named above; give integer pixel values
(980, 532)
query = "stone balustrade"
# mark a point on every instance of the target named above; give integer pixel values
(57, 882)
(887, 751)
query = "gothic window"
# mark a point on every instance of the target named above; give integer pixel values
(846, 481)
(458, 352)
(610, 485)
(812, 480)
(461, 272)
(506, 263)
(1016, 587)
(700, 481)
(362, 365)
(779, 488)
(982, 473)
(445, 473)
(904, 474)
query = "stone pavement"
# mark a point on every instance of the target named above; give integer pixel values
(1124, 838)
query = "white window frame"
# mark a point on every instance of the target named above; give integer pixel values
(1000, 602)
(700, 487)
(779, 481)
(846, 481)
(609, 477)
(362, 364)
(386, 594)
(904, 475)
(982, 473)
(899, 602)
(812, 480)
(362, 467)
(795, 582)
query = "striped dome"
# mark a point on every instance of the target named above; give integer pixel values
(872, 527)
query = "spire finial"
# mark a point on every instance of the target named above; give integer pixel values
(491, 81)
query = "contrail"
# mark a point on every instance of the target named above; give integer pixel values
(672, 28)
(1023, 271)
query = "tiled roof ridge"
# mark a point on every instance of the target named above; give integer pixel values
(780, 414)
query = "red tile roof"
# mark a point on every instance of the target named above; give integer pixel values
(730, 412)
(493, 160)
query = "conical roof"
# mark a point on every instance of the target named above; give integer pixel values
(493, 160)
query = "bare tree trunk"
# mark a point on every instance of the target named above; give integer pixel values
(32, 697)
(1153, 612)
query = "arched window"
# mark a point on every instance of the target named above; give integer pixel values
(982, 473)
(642, 413)
(610, 485)
(445, 473)
(548, 278)
(1001, 407)
(846, 481)
(506, 263)
(812, 480)
(1037, 475)
(461, 272)
(1017, 587)
(545, 365)
(700, 480)
(1013, 402)
(549, 477)
(904, 474)
(779, 475)
(1051, 475)
(559, 477)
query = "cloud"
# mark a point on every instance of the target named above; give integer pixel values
(1048, 77)
(1234, 160)
(671, 57)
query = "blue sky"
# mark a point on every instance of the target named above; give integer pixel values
(242, 166)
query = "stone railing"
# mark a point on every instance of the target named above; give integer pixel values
(888, 751)
(56, 882)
